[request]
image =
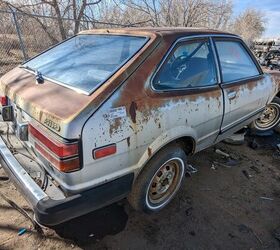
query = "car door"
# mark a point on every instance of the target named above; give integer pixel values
(188, 80)
(243, 84)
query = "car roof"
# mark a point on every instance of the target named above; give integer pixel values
(162, 31)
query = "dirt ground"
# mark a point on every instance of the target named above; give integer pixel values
(228, 204)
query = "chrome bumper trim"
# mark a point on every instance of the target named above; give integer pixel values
(21, 178)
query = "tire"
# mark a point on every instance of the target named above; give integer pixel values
(159, 181)
(272, 111)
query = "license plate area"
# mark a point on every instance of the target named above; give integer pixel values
(19, 123)
(31, 163)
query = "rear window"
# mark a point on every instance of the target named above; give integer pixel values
(86, 61)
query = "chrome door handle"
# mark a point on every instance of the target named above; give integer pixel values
(231, 95)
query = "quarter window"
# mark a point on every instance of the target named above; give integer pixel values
(189, 65)
(235, 61)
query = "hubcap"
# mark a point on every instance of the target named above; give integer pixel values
(165, 182)
(269, 117)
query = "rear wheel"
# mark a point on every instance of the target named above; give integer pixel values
(160, 180)
(269, 118)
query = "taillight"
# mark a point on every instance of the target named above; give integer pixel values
(66, 165)
(4, 100)
(60, 149)
(64, 156)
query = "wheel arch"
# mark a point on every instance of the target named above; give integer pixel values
(186, 142)
(256, 128)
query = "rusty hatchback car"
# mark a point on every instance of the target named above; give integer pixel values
(109, 114)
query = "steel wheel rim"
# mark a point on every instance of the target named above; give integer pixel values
(165, 183)
(269, 117)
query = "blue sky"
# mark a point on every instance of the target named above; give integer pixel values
(271, 9)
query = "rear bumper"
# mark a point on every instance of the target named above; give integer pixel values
(50, 212)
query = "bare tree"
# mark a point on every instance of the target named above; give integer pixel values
(215, 14)
(150, 9)
(120, 12)
(187, 13)
(250, 25)
(79, 11)
(193, 13)
(55, 8)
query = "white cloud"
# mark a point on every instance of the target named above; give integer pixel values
(273, 23)
(271, 10)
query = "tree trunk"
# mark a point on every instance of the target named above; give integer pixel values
(59, 20)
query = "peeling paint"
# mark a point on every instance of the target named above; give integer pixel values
(115, 126)
(149, 152)
(128, 141)
(132, 111)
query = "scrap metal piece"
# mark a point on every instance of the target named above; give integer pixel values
(266, 198)
(220, 152)
(190, 169)
(235, 139)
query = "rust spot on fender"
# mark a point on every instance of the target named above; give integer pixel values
(275, 76)
(114, 126)
(132, 111)
(149, 152)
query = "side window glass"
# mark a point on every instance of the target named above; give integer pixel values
(189, 65)
(235, 61)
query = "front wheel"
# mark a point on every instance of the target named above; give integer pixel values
(269, 118)
(160, 180)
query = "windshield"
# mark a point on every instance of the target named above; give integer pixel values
(86, 61)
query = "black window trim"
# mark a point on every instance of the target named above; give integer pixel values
(253, 58)
(183, 91)
(177, 43)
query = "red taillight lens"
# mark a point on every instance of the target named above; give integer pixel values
(68, 165)
(4, 100)
(63, 156)
(104, 151)
(60, 149)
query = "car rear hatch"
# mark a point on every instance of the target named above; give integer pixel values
(50, 104)
(55, 87)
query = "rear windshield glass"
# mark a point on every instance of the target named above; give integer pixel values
(86, 61)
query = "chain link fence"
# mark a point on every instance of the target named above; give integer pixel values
(24, 35)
